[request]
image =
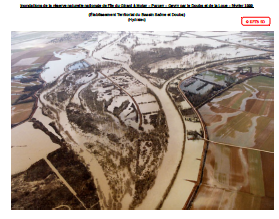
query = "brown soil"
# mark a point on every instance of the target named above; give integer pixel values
(22, 112)
(269, 143)
(16, 90)
(267, 203)
(216, 198)
(24, 56)
(203, 194)
(229, 102)
(270, 106)
(264, 130)
(44, 59)
(247, 182)
(234, 172)
(19, 68)
(255, 106)
(270, 95)
(268, 173)
(53, 58)
(237, 174)
(223, 199)
(209, 164)
(208, 119)
(16, 84)
(221, 109)
(14, 98)
(215, 193)
(262, 94)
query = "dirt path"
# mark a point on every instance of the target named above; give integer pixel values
(64, 181)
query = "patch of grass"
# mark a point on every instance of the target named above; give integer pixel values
(270, 34)
(261, 81)
(219, 77)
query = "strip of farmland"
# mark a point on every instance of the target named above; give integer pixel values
(239, 166)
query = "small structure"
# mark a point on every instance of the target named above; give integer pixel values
(243, 70)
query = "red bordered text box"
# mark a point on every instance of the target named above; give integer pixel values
(255, 21)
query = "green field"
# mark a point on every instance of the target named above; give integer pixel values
(258, 82)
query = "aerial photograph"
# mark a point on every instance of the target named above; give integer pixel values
(142, 120)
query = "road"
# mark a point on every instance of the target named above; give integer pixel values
(236, 146)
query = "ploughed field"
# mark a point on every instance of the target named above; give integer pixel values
(239, 178)
(236, 179)
(243, 115)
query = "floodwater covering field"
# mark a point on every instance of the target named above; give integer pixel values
(239, 178)
(29, 145)
(55, 68)
(243, 115)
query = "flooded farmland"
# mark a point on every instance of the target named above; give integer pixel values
(143, 120)
(56, 68)
(231, 120)
(247, 109)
